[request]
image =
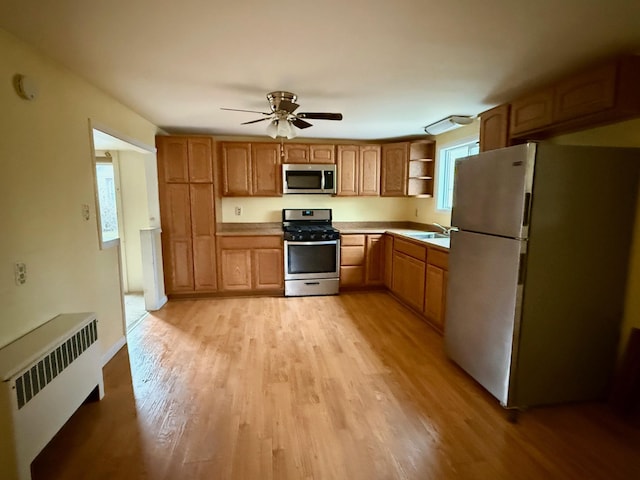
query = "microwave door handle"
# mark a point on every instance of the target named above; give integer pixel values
(322, 179)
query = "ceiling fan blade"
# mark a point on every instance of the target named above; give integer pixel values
(300, 123)
(240, 110)
(287, 106)
(255, 121)
(320, 116)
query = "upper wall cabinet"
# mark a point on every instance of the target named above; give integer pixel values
(407, 169)
(603, 94)
(251, 169)
(358, 170)
(308, 153)
(494, 128)
(185, 159)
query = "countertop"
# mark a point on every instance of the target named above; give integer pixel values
(367, 228)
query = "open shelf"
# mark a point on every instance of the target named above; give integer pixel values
(421, 169)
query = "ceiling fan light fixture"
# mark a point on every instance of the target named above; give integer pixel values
(449, 123)
(272, 129)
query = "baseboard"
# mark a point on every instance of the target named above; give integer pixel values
(113, 350)
(164, 299)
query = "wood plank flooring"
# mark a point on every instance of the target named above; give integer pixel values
(347, 387)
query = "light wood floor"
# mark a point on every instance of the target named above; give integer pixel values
(349, 387)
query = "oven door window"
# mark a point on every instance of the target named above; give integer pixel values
(304, 180)
(312, 258)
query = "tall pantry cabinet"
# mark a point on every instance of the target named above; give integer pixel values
(187, 212)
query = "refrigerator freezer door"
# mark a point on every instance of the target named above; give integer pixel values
(483, 308)
(492, 191)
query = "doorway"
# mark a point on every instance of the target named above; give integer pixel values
(128, 198)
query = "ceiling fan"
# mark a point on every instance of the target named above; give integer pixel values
(282, 117)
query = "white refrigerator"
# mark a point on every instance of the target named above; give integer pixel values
(538, 269)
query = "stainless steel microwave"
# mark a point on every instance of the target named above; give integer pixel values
(309, 178)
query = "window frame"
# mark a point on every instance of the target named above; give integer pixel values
(445, 169)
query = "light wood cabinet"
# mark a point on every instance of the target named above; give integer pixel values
(187, 213)
(436, 287)
(408, 169)
(322, 153)
(388, 261)
(374, 260)
(251, 169)
(361, 260)
(352, 256)
(494, 128)
(408, 274)
(531, 112)
(296, 153)
(251, 263)
(408, 279)
(236, 169)
(395, 164)
(308, 153)
(421, 168)
(358, 170)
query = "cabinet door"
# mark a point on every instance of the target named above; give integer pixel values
(236, 169)
(296, 153)
(531, 112)
(388, 261)
(408, 280)
(395, 159)
(236, 269)
(322, 154)
(374, 260)
(434, 298)
(173, 159)
(494, 128)
(268, 269)
(589, 92)
(200, 160)
(203, 225)
(267, 174)
(176, 237)
(348, 165)
(369, 181)
(351, 276)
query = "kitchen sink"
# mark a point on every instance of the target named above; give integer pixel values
(426, 235)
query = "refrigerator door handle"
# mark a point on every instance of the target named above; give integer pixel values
(527, 210)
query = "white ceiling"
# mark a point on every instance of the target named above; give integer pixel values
(390, 67)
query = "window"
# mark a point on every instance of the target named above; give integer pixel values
(448, 156)
(105, 181)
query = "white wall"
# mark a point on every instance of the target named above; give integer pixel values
(47, 175)
(134, 197)
(426, 207)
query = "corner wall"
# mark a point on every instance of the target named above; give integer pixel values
(426, 207)
(624, 134)
(47, 175)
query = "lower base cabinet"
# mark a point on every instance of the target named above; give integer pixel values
(361, 260)
(251, 263)
(408, 279)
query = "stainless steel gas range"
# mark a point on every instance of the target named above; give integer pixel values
(311, 252)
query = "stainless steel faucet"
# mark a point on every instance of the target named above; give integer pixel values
(445, 230)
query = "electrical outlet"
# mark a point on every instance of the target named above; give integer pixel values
(21, 273)
(238, 211)
(416, 213)
(86, 212)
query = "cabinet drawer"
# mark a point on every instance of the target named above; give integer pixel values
(438, 258)
(411, 249)
(351, 276)
(242, 242)
(351, 240)
(352, 255)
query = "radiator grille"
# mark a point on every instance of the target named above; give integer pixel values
(42, 373)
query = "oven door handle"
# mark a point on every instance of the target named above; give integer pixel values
(320, 242)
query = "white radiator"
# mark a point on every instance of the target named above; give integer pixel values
(46, 375)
